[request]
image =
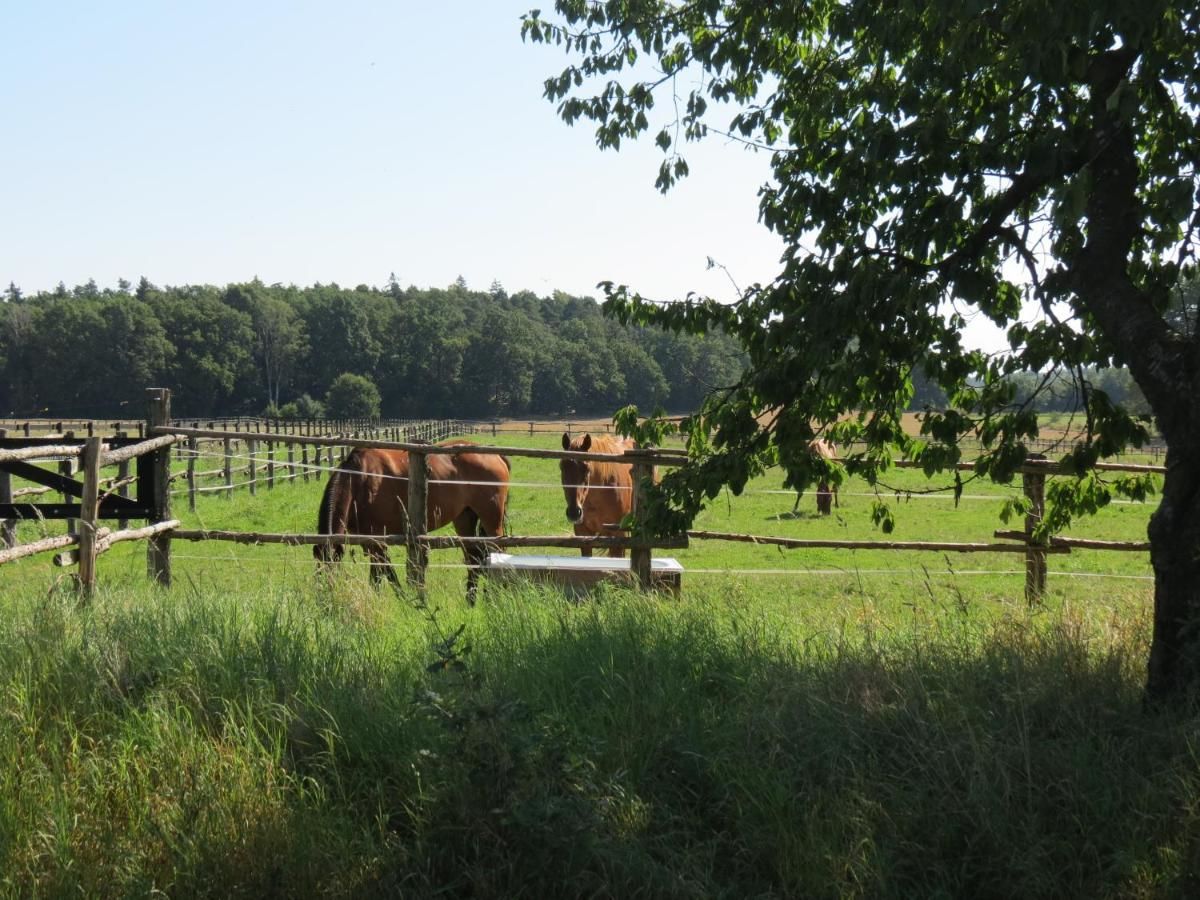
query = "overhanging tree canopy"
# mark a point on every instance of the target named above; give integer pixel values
(1029, 161)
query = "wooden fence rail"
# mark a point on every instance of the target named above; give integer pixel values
(418, 544)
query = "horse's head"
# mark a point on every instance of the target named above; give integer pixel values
(576, 474)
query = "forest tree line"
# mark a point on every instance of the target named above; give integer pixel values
(253, 348)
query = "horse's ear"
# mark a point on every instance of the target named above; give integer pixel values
(586, 444)
(566, 440)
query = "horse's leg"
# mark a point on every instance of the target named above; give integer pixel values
(581, 532)
(374, 567)
(617, 515)
(468, 524)
(389, 569)
(824, 499)
(376, 573)
(381, 565)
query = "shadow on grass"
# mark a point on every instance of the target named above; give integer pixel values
(626, 747)
(793, 514)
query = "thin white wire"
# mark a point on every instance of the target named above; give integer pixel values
(219, 487)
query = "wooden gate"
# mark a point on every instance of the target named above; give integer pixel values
(112, 505)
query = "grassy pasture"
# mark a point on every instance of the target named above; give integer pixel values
(822, 730)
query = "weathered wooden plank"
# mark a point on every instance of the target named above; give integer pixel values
(158, 550)
(107, 538)
(51, 543)
(112, 457)
(89, 513)
(8, 454)
(112, 506)
(1083, 543)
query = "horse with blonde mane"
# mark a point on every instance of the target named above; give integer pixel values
(826, 493)
(599, 493)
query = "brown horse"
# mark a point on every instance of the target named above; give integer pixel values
(368, 494)
(826, 493)
(598, 493)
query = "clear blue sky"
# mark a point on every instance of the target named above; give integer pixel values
(307, 141)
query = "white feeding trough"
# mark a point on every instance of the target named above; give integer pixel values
(582, 571)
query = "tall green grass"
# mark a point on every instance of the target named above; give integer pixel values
(328, 740)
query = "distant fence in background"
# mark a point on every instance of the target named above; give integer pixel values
(400, 430)
(260, 456)
(1156, 450)
(253, 456)
(382, 429)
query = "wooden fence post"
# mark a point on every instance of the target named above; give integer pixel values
(270, 464)
(158, 552)
(66, 468)
(639, 555)
(304, 461)
(192, 450)
(88, 517)
(418, 554)
(251, 447)
(8, 536)
(227, 471)
(1034, 485)
(122, 474)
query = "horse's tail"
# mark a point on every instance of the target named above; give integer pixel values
(507, 503)
(333, 517)
(507, 497)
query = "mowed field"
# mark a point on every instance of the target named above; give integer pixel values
(799, 723)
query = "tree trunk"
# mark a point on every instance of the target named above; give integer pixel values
(1175, 554)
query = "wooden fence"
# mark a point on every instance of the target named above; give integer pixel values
(91, 539)
(73, 429)
(248, 459)
(418, 543)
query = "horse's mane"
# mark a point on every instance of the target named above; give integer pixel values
(334, 512)
(603, 472)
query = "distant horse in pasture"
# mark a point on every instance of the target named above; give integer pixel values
(368, 494)
(598, 494)
(826, 494)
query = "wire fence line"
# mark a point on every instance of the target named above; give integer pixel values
(899, 495)
(904, 496)
(717, 570)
